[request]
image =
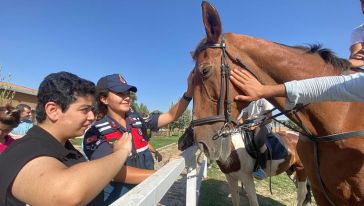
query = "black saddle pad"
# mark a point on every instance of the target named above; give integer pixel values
(276, 147)
(272, 142)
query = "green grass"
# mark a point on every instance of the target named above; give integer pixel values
(76, 141)
(215, 190)
(156, 141)
(160, 141)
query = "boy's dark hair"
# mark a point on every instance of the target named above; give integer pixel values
(21, 107)
(62, 88)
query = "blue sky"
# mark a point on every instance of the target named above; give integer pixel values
(149, 42)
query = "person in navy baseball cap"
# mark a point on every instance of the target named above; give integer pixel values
(115, 83)
(116, 116)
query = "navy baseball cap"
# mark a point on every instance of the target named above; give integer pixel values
(115, 83)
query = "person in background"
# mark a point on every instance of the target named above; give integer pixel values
(9, 118)
(43, 168)
(114, 103)
(25, 121)
(256, 110)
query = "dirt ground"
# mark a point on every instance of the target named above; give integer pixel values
(176, 195)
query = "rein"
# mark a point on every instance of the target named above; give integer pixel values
(306, 136)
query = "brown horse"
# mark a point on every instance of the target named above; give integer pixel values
(337, 175)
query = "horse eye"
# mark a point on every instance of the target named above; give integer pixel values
(206, 72)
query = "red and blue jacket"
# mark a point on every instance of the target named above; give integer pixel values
(99, 138)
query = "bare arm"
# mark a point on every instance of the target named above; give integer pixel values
(357, 55)
(252, 88)
(151, 148)
(268, 116)
(49, 182)
(157, 155)
(177, 110)
(133, 175)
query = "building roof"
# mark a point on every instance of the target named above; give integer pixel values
(18, 88)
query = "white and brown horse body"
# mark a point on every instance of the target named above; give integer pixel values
(341, 162)
(239, 167)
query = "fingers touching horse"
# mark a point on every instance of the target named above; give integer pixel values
(336, 172)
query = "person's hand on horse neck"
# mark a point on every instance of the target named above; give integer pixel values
(252, 88)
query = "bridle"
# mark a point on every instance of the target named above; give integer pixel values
(224, 103)
(222, 115)
(225, 115)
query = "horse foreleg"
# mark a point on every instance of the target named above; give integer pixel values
(234, 189)
(248, 181)
(301, 192)
(302, 183)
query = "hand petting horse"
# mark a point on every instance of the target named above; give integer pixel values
(334, 164)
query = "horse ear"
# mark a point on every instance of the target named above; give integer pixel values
(211, 20)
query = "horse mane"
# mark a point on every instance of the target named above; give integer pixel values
(327, 55)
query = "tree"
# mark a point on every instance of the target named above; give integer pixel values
(6, 91)
(142, 109)
(183, 121)
(186, 119)
(293, 125)
(133, 98)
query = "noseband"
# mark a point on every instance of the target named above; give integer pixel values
(224, 113)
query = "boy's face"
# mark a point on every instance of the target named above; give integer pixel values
(77, 118)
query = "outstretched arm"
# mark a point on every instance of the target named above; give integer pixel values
(252, 88)
(330, 88)
(177, 110)
(133, 175)
(50, 182)
(357, 55)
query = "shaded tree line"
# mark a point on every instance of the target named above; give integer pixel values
(181, 123)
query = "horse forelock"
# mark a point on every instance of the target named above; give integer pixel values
(199, 48)
(327, 55)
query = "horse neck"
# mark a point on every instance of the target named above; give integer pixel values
(275, 64)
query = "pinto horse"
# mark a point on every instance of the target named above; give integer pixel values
(239, 165)
(334, 165)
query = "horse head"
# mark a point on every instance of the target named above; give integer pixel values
(214, 110)
(272, 63)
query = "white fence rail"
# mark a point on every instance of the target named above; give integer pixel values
(152, 190)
